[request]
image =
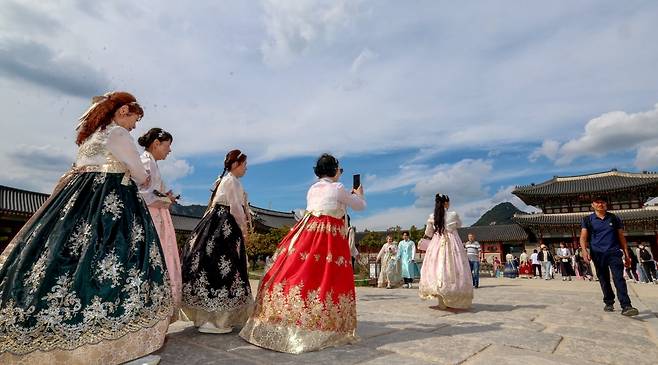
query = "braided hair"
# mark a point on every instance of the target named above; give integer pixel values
(440, 212)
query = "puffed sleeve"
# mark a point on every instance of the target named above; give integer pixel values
(353, 201)
(453, 221)
(429, 227)
(122, 146)
(381, 252)
(235, 195)
(147, 191)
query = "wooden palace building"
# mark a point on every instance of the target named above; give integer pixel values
(565, 201)
(18, 205)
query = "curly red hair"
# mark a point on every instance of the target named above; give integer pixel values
(102, 110)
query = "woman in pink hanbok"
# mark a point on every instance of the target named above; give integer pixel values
(157, 145)
(445, 274)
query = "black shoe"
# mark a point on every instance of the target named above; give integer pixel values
(630, 311)
(609, 308)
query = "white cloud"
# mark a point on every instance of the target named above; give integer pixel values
(293, 26)
(647, 157)
(173, 169)
(608, 133)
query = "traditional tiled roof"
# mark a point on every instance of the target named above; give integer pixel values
(184, 223)
(627, 215)
(609, 181)
(20, 201)
(495, 233)
(273, 218)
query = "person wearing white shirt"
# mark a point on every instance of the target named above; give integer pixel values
(536, 265)
(473, 253)
(71, 272)
(157, 145)
(306, 300)
(564, 257)
(216, 290)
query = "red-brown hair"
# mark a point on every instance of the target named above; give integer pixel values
(102, 110)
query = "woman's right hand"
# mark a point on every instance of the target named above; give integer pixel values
(358, 191)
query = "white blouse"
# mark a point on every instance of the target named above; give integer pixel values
(328, 196)
(387, 247)
(452, 222)
(157, 183)
(110, 145)
(230, 193)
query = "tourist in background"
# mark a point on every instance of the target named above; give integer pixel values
(582, 266)
(545, 257)
(407, 259)
(216, 290)
(510, 270)
(496, 266)
(157, 145)
(525, 268)
(85, 281)
(647, 262)
(445, 274)
(306, 300)
(631, 271)
(389, 276)
(473, 254)
(536, 265)
(564, 257)
(604, 232)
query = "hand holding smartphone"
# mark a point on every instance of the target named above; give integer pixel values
(356, 181)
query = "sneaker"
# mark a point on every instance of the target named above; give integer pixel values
(630, 311)
(146, 360)
(609, 308)
(210, 328)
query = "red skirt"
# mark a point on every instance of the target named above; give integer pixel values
(306, 300)
(525, 269)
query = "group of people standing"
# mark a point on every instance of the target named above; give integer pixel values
(95, 276)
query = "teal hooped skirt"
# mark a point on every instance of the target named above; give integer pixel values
(85, 280)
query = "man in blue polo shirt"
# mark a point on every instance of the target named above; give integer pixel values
(605, 233)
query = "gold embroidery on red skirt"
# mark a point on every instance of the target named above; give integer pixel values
(324, 227)
(310, 313)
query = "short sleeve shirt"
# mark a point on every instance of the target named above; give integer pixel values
(603, 237)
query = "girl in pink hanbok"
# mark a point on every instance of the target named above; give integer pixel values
(157, 144)
(445, 274)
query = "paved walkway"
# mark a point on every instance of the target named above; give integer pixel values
(513, 321)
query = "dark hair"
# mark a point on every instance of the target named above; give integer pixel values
(405, 232)
(326, 166)
(101, 112)
(154, 133)
(231, 157)
(440, 212)
(534, 251)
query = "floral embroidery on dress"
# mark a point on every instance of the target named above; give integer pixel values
(99, 180)
(226, 228)
(340, 261)
(38, 272)
(136, 234)
(109, 268)
(303, 256)
(69, 204)
(154, 255)
(224, 266)
(316, 257)
(195, 261)
(330, 257)
(196, 294)
(113, 205)
(210, 246)
(80, 237)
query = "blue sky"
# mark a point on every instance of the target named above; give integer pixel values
(419, 97)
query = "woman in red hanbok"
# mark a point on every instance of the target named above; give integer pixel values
(306, 299)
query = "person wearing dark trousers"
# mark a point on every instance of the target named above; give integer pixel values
(632, 270)
(648, 264)
(604, 232)
(536, 265)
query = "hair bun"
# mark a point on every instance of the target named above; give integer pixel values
(142, 141)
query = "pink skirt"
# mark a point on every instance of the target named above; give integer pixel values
(165, 227)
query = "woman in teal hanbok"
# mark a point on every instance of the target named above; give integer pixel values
(84, 281)
(407, 260)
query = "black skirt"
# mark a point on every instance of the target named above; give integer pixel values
(215, 278)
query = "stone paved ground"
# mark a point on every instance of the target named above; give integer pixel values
(513, 321)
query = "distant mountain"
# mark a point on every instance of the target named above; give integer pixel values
(500, 214)
(194, 210)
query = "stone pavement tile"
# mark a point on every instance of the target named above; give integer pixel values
(614, 338)
(504, 322)
(221, 342)
(402, 322)
(176, 351)
(369, 329)
(397, 359)
(503, 355)
(494, 333)
(343, 355)
(607, 353)
(437, 350)
(575, 320)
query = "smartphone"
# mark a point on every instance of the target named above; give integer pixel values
(356, 181)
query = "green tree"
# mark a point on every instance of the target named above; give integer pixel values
(371, 239)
